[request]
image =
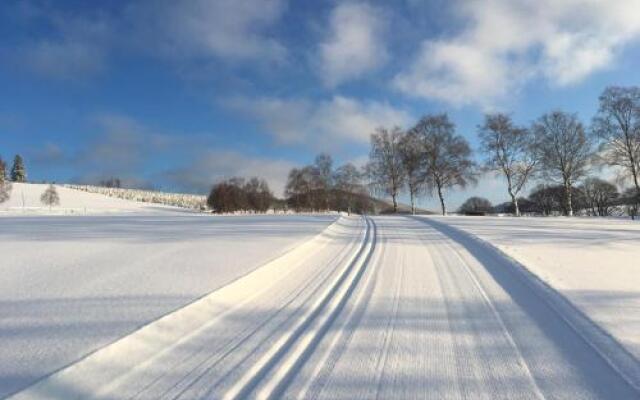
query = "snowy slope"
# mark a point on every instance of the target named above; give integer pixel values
(25, 199)
(73, 284)
(594, 262)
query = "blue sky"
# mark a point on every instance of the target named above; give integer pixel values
(177, 95)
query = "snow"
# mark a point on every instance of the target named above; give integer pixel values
(73, 284)
(385, 307)
(190, 201)
(147, 305)
(594, 262)
(25, 200)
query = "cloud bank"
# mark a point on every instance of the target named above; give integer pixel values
(503, 44)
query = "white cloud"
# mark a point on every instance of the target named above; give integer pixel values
(321, 125)
(506, 43)
(355, 43)
(214, 165)
(230, 29)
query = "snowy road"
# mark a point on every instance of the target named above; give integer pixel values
(387, 307)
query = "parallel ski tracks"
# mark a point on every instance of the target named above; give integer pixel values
(320, 297)
(271, 374)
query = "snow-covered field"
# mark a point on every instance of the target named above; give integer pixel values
(71, 284)
(190, 201)
(316, 307)
(25, 200)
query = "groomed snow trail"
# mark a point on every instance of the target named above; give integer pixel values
(433, 320)
(387, 307)
(226, 343)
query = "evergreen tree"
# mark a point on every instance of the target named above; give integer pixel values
(18, 172)
(3, 171)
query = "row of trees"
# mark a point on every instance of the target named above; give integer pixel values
(320, 187)
(316, 187)
(595, 197)
(432, 158)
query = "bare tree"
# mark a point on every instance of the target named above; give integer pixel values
(348, 183)
(5, 191)
(630, 201)
(385, 163)
(447, 156)
(323, 165)
(258, 195)
(599, 196)
(545, 198)
(303, 187)
(295, 188)
(617, 125)
(411, 154)
(50, 197)
(509, 149)
(564, 150)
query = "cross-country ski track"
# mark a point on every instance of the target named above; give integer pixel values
(372, 307)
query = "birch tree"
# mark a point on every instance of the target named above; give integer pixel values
(411, 154)
(509, 150)
(564, 150)
(348, 183)
(617, 126)
(385, 163)
(446, 155)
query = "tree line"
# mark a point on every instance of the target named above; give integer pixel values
(594, 197)
(431, 158)
(318, 187)
(321, 187)
(237, 194)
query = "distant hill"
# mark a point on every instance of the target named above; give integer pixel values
(25, 199)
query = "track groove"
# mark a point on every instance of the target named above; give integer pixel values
(292, 349)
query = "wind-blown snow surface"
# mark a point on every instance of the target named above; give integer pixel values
(25, 200)
(594, 262)
(71, 284)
